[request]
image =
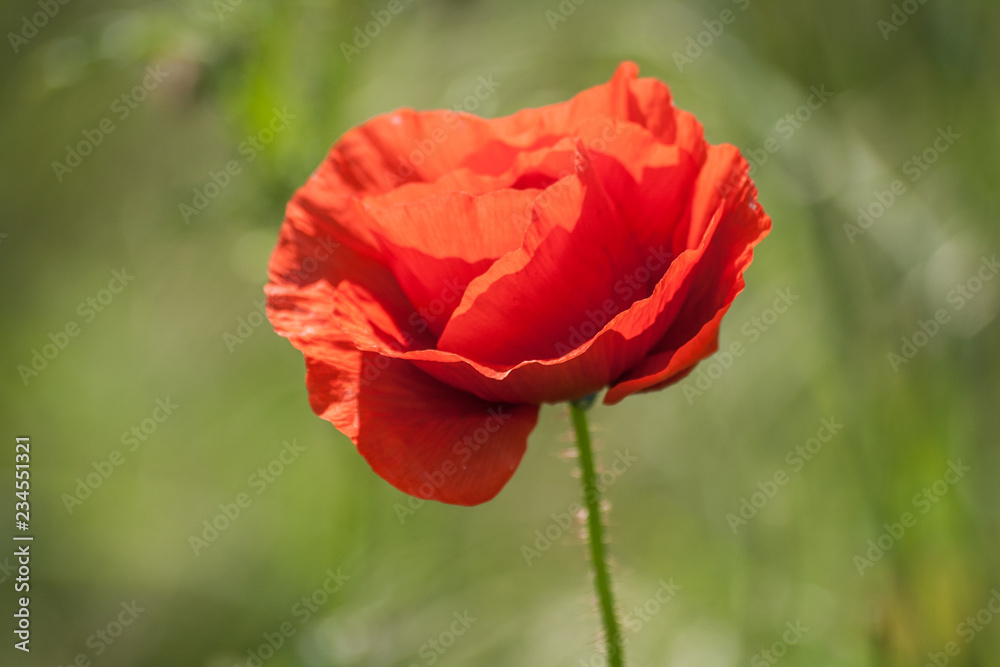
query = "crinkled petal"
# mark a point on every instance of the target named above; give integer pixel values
(425, 438)
(715, 282)
(437, 246)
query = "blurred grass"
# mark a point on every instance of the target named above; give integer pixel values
(163, 336)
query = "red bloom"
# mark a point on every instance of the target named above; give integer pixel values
(444, 274)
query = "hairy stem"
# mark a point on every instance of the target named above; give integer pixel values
(598, 554)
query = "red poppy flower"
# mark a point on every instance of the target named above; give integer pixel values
(445, 274)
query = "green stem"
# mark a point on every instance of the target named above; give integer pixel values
(592, 498)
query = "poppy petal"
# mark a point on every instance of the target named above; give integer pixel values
(410, 427)
(437, 246)
(716, 281)
(593, 240)
(425, 438)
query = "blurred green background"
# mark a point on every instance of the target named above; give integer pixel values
(185, 331)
